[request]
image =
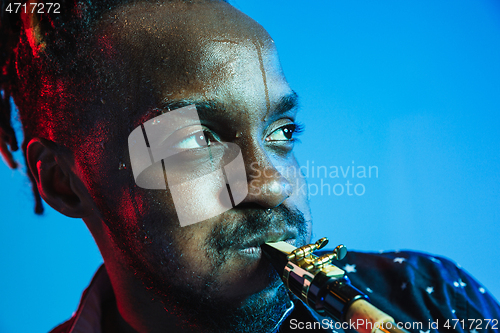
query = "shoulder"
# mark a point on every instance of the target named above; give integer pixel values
(418, 287)
(88, 316)
(64, 327)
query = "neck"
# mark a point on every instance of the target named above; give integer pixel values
(134, 308)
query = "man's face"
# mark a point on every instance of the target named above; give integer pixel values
(209, 54)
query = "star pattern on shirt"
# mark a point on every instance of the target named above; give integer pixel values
(459, 283)
(399, 260)
(369, 290)
(403, 286)
(350, 268)
(482, 290)
(429, 290)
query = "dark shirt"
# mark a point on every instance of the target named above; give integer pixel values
(424, 293)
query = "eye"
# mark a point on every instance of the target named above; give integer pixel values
(196, 140)
(285, 133)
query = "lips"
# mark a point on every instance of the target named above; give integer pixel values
(252, 246)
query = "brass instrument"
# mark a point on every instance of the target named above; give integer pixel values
(326, 288)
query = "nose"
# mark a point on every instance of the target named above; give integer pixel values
(266, 185)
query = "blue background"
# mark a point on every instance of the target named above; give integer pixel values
(412, 87)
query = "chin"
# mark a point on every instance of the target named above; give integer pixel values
(256, 278)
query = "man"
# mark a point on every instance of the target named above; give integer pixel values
(85, 80)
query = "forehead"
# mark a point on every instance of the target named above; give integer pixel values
(194, 36)
(207, 51)
(181, 18)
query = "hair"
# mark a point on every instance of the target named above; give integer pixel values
(48, 71)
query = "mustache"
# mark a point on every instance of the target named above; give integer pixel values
(257, 222)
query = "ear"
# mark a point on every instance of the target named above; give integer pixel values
(58, 183)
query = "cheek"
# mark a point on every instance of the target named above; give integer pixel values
(293, 175)
(200, 199)
(299, 197)
(132, 206)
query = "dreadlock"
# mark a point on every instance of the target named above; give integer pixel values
(48, 70)
(39, 57)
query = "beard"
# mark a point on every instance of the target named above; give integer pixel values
(155, 256)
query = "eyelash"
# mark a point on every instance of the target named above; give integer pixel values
(296, 129)
(299, 128)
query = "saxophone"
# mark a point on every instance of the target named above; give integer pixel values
(325, 287)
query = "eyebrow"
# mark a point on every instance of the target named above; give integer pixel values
(285, 104)
(202, 106)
